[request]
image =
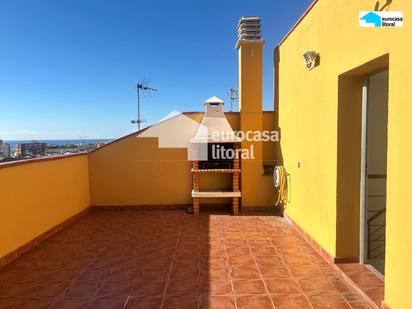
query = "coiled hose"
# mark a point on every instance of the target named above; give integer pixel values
(281, 183)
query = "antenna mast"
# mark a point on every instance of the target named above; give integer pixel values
(233, 96)
(144, 88)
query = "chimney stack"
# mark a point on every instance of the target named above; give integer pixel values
(250, 49)
(250, 46)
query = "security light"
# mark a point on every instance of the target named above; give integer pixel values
(311, 59)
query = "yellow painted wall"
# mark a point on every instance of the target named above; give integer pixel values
(135, 171)
(37, 196)
(270, 150)
(308, 118)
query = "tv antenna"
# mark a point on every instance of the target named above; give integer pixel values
(233, 96)
(141, 87)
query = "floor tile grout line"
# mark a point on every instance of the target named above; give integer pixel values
(142, 268)
(199, 281)
(295, 232)
(285, 265)
(60, 296)
(98, 290)
(291, 275)
(162, 304)
(229, 267)
(340, 294)
(260, 274)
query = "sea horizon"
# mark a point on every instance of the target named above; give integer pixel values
(76, 141)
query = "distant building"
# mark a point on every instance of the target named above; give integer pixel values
(31, 149)
(5, 150)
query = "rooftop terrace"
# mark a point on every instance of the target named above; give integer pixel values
(170, 259)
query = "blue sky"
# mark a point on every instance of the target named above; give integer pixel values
(68, 68)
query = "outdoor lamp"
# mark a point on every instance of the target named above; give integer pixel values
(311, 59)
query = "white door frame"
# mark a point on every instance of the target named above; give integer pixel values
(364, 172)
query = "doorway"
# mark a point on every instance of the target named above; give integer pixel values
(373, 170)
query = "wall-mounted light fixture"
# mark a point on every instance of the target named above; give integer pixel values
(311, 59)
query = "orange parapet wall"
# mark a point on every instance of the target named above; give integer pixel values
(134, 171)
(39, 194)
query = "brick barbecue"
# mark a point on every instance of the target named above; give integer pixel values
(214, 133)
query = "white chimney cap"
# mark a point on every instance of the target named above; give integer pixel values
(214, 100)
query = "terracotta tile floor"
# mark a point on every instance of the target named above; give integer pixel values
(170, 259)
(366, 281)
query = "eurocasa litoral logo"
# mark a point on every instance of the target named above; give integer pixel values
(378, 19)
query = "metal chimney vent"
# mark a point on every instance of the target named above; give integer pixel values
(248, 29)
